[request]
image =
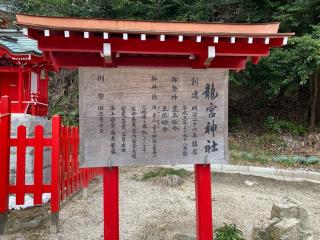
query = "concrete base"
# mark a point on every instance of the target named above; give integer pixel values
(54, 226)
(3, 222)
(85, 193)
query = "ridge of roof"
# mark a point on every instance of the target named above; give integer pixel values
(145, 26)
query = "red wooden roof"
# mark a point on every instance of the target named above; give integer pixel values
(131, 26)
(74, 42)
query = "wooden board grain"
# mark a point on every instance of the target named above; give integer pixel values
(153, 116)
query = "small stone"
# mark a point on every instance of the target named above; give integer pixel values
(249, 183)
(172, 180)
(163, 227)
(286, 207)
(289, 221)
(286, 229)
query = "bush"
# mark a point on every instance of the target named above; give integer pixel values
(229, 232)
(283, 126)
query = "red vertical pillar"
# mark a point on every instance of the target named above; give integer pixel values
(20, 91)
(111, 203)
(46, 90)
(5, 124)
(203, 202)
(55, 172)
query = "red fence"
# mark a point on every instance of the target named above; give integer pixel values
(66, 176)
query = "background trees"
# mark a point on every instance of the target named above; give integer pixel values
(288, 71)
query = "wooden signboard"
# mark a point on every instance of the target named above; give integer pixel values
(151, 116)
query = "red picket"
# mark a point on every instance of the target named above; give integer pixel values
(63, 151)
(72, 160)
(67, 162)
(38, 164)
(21, 165)
(75, 155)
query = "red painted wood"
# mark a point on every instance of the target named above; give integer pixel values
(31, 142)
(63, 162)
(5, 123)
(77, 51)
(21, 165)
(64, 145)
(111, 203)
(153, 46)
(15, 82)
(68, 60)
(75, 156)
(203, 202)
(31, 188)
(67, 161)
(55, 168)
(20, 90)
(72, 165)
(38, 164)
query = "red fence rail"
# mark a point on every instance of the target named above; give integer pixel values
(66, 175)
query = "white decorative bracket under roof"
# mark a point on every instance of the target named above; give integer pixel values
(107, 52)
(211, 55)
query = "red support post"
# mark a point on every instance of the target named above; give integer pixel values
(5, 124)
(111, 203)
(20, 90)
(55, 172)
(203, 202)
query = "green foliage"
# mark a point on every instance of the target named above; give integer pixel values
(162, 172)
(268, 139)
(282, 126)
(285, 160)
(285, 72)
(229, 232)
(311, 160)
(299, 15)
(64, 96)
(234, 121)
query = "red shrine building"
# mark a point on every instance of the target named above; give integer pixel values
(23, 73)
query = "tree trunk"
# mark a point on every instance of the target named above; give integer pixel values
(314, 99)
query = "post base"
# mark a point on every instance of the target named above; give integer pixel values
(3, 222)
(54, 226)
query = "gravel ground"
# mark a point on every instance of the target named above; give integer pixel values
(151, 211)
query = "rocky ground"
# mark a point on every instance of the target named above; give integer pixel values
(151, 211)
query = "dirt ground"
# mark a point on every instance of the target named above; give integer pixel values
(151, 211)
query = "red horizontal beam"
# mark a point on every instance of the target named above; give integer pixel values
(30, 189)
(71, 44)
(31, 142)
(91, 60)
(186, 47)
(151, 46)
(234, 63)
(77, 60)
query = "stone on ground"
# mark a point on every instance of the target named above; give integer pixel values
(289, 221)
